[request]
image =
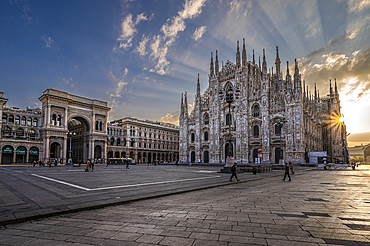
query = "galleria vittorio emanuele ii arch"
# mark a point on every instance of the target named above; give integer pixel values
(73, 127)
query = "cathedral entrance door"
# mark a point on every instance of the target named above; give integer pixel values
(206, 157)
(192, 157)
(255, 156)
(277, 155)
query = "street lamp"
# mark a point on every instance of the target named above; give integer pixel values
(70, 134)
(280, 125)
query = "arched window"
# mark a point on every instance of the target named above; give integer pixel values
(256, 111)
(277, 129)
(19, 133)
(34, 122)
(23, 121)
(256, 131)
(16, 121)
(118, 142)
(112, 141)
(54, 119)
(59, 120)
(205, 136)
(228, 119)
(11, 119)
(29, 121)
(97, 126)
(31, 134)
(192, 137)
(7, 132)
(206, 119)
(5, 118)
(101, 126)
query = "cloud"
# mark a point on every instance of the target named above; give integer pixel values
(128, 30)
(199, 32)
(170, 30)
(172, 118)
(120, 84)
(141, 49)
(358, 5)
(68, 81)
(48, 41)
(352, 72)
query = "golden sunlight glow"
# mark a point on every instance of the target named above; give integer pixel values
(341, 119)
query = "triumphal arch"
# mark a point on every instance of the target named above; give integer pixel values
(73, 128)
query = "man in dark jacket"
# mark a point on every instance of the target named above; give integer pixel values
(286, 172)
(233, 172)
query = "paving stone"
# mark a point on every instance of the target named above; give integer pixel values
(200, 242)
(100, 234)
(241, 239)
(153, 239)
(126, 236)
(205, 236)
(288, 243)
(175, 233)
(176, 241)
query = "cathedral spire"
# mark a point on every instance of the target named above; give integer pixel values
(259, 62)
(182, 104)
(336, 89)
(216, 65)
(244, 55)
(237, 55)
(287, 67)
(211, 69)
(331, 89)
(264, 63)
(253, 58)
(315, 93)
(277, 63)
(198, 87)
(186, 105)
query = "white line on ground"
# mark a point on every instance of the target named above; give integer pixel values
(122, 186)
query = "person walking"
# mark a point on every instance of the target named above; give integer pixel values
(88, 166)
(233, 172)
(286, 172)
(92, 165)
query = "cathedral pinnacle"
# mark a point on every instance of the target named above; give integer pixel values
(264, 64)
(211, 69)
(336, 89)
(331, 89)
(253, 58)
(287, 67)
(259, 62)
(277, 63)
(216, 65)
(237, 55)
(244, 55)
(198, 87)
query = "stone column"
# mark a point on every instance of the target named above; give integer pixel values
(1, 154)
(104, 152)
(48, 111)
(47, 149)
(66, 118)
(64, 156)
(14, 155)
(92, 148)
(27, 155)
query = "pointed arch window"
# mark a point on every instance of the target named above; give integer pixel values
(192, 137)
(228, 119)
(256, 111)
(206, 119)
(277, 129)
(256, 131)
(206, 136)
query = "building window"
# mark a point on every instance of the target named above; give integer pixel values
(277, 129)
(59, 120)
(256, 131)
(192, 137)
(145, 145)
(16, 120)
(54, 119)
(5, 118)
(118, 142)
(150, 146)
(29, 122)
(7, 132)
(23, 121)
(34, 122)
(112, 141)
(101, 126)
(97, 126)
(206, 119)
(205, 136)
(228, 119)
(256, 111)
(11, 119)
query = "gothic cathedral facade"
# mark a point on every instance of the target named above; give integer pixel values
(256, 116)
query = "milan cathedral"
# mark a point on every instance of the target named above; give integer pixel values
(256, 116)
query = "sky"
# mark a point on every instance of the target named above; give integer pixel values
(139, 56)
